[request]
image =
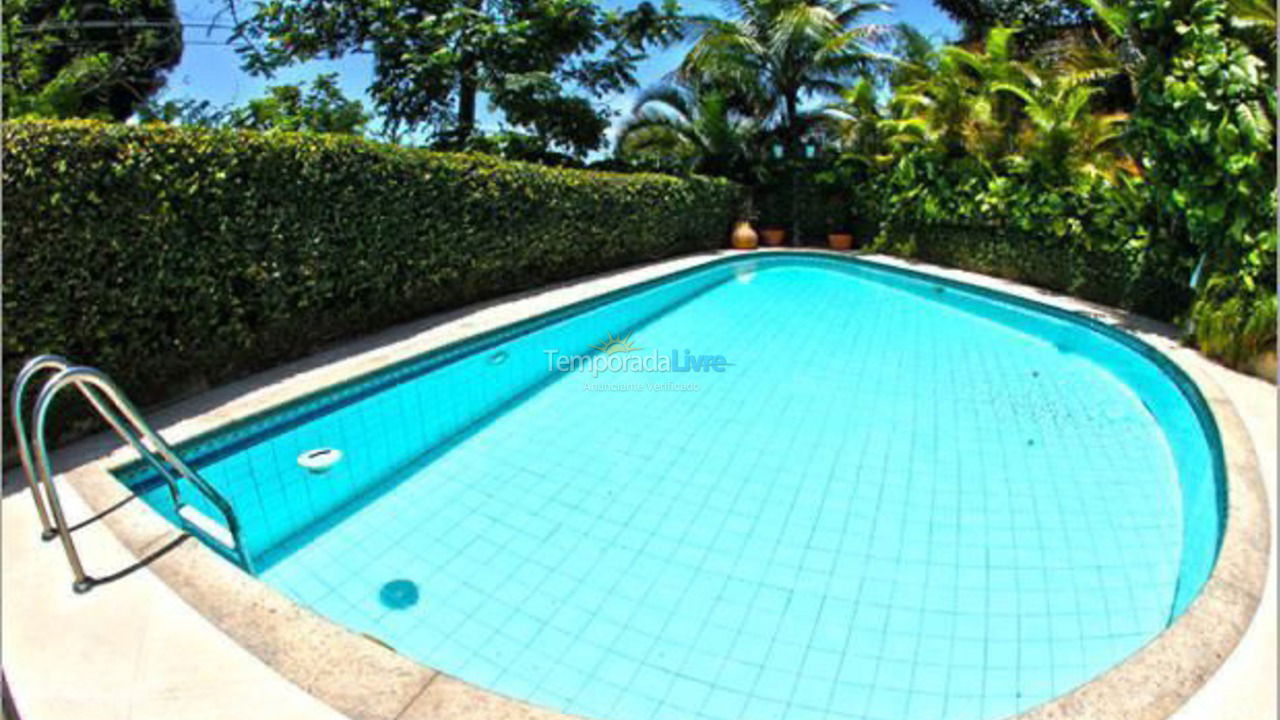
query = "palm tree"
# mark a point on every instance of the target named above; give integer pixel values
(860, 126)
(1061, 135)
(775, 53)
(696, 129)
(771, 55)
(987, 105)
(946, 108)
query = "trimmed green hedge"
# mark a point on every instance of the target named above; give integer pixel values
(1142, 279)
(175, 258)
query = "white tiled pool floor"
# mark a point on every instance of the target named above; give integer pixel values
(932, 516)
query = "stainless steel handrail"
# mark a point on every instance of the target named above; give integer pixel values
(93, 382)
(34, 367)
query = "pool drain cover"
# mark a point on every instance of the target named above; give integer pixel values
(399, 594)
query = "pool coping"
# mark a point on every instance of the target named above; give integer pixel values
(363, 678)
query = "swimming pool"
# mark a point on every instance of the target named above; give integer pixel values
(890, 497)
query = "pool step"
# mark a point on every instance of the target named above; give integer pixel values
(207, 525)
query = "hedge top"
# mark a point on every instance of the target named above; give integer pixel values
(177, 257)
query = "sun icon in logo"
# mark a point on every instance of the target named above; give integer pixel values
(616, 345)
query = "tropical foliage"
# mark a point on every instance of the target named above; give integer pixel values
(1151, 145)
(67, 58)
(684, 129)
(744, 83)
(1205, 123)
(1125, 153)
(772, 53)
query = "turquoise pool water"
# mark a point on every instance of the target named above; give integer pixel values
(880, 496)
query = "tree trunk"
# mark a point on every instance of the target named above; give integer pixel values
(467, 84)
(466, 103)
(791, 138)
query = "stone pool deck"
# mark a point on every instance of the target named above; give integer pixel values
(134, 648)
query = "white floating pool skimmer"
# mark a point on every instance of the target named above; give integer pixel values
(320, 460)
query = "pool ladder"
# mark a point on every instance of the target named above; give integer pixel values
(110, 403)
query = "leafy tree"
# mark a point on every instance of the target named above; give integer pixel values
(322, 108)
(1040, 19)
(542, 63)
(286, 107)
(185, 111)
(687, 128)
(69, 58)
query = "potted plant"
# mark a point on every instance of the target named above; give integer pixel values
(839, 226)
(773, 235)
(743, 236)
(840, 240)
(836, 208)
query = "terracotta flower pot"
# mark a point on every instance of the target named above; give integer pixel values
(774, 236)
(743, 237)
(840, 241)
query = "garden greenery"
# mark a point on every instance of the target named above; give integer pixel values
(1205, 121)
(176, 257)
(1006, 165)
(1124, 153)
(544, 66)
(1091, 239)
(70, 58)
(1036, 167)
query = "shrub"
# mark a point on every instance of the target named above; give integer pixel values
(1232, 323)
(177, 257)
(1090, 238)
(1205, 120)
(1130, 277)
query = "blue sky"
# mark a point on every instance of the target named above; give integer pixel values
(210, 69)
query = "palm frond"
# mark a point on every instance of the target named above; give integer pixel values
(998, 49)
(1254, 13)
(854, 12)
(1253, 120)
(1115, 17)
(1017, 91)
(674, 97)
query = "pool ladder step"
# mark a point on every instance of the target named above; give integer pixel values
(113, 406)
